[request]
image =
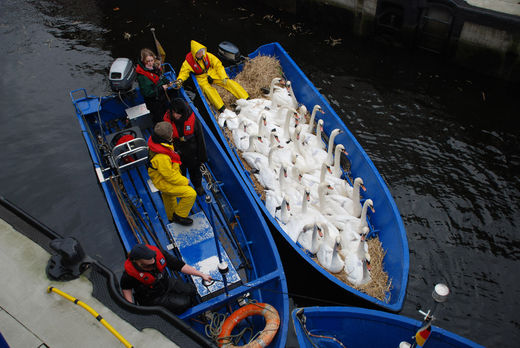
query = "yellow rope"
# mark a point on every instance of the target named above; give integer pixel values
(93, 312)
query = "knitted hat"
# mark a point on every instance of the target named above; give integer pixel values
(180, 107)
(163, 130)
(141, 251)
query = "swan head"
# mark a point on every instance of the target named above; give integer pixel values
(323, 187)
(364, 232)
(302, 110)
(369, 203)
(317, 107)
(358, 181)
(335, 132)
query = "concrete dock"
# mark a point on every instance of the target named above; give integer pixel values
(32, 317)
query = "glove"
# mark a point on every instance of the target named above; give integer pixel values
(177, 84)
(210, 80)
(224, 82)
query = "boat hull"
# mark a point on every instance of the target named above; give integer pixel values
(359, 327)
(237, 222)
(386, 222)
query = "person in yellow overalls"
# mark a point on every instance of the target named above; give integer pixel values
(209, 70)
(165, 173)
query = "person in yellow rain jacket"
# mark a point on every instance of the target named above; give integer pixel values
(165, 173)
(209, 70)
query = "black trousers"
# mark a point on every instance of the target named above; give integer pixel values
(179, 297)
(192, 165)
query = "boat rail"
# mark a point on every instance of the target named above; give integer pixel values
(135, 150)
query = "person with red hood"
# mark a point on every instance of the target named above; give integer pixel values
(209, 71)
(146, 281)
(164, 171)
(188, 140)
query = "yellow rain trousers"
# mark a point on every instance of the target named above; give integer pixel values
(177, 194)
(217, 72)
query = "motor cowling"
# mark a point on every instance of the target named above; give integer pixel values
(228, 51)
(122, 75)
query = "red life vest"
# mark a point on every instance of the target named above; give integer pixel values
(197, 69)
(189, 125)
(151, 75)
(158, 148)
(146, 277)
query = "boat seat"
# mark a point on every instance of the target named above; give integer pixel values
(129, 149)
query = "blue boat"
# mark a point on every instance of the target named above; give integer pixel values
(386, 222)
(229, 238)
(359, 327)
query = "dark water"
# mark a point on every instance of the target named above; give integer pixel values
(444, 139)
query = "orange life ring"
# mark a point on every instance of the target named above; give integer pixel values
(272, 323)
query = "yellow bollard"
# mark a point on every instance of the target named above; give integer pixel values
(94, 314)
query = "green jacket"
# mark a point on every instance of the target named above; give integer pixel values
(148, 88)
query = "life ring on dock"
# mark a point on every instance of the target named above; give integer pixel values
(272, 323)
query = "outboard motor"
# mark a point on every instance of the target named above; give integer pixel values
(122, 75)
(229, 52)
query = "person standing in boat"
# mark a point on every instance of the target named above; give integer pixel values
(209, 71)
(188, 140)
(145, 278)
(153, 84)
(164, 171)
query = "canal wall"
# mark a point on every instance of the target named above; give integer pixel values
(482, 35)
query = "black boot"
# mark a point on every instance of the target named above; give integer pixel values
(181, 220)
(222, 109)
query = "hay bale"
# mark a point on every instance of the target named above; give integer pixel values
(257, 73)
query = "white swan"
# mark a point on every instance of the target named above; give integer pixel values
(357, 261)
(329, 257)
(295, 103)
(284, 208)
(329, 208)
(330, 147)
(337, 171)
(229, 119)
(251, 155)
(310, 237)
(353, 224)
(352, 204)
(308, 127)
(241, 136)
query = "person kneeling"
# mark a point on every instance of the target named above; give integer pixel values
(146, 279)
(164, 171)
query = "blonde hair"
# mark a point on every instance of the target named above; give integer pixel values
(146, 52)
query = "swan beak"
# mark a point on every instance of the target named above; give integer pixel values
(345, 152)
(276, 138)
(321, 129)
(265, 122)
(260, 139)
(373, 210)
(363, 187)
(288, 206)
(308, 196)
(300, 177)
(321, 110)
(320, 232)
(329, 170)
